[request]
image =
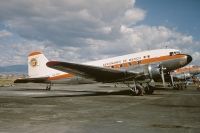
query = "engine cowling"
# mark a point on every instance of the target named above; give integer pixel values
(154, 71)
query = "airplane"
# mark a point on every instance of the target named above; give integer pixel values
(185, 74)
(137, 70)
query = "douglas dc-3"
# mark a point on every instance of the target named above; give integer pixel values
(136, 70)
(186, 72)
(185, 75)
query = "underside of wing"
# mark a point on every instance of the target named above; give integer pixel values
(32, 80)
(100, 74)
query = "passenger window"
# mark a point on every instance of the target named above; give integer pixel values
(171, 53)
(139, 61)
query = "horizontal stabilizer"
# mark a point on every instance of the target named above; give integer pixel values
(32, 80)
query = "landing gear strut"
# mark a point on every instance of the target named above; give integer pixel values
(48, 88)
(178, 86)
(137, 89)
(149, 90)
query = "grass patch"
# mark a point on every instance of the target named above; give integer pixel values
(6, 82)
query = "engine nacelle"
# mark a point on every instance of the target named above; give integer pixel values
(154, 71)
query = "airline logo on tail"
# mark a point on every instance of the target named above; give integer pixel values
(33, 62)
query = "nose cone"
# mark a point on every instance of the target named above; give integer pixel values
(189, 59)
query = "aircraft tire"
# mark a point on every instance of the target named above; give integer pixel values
(176, 87)
(138, 91)
(48, 88)
(149, 90)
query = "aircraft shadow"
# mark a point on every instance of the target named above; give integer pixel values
(87, 93)
(77, 93)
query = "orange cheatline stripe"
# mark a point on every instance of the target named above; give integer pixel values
(61, 76)
(181, 70)
(162, 58)
(150, 60)
(34, 53)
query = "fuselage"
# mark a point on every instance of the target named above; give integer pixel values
(170, 59)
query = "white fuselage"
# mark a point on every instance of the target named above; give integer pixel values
(169, 58)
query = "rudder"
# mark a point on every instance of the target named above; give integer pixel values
(37, 66)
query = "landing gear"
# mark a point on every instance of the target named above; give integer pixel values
(149, 90)
(137, 90)
(48, 88)
(178, 86)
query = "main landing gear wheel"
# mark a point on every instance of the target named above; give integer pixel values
(178, 87)
(137, 91)
(149, 90)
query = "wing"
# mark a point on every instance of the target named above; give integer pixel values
(100, 74)
(32, 80)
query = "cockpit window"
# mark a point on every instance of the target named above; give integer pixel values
(177, 52)
(174, 53)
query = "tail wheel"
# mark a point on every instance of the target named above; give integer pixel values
(48, 88)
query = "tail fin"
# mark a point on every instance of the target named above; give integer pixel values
(37, 66)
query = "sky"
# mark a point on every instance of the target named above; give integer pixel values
(85, 30)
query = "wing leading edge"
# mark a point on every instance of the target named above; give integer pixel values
(99, 74)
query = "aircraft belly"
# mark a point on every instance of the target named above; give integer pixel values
(74, 80)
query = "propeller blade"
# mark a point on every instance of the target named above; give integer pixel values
(162, 76)
(172, 79)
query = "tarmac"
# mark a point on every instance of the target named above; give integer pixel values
(97, 108)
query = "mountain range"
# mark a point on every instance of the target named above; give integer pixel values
(22, 69)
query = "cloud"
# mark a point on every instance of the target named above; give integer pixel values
(82, 30)
(134, 15)
(63, 21)
(5, 33)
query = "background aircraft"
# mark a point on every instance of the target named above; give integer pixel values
(185, 74)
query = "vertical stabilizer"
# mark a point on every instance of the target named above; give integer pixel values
(37, 66)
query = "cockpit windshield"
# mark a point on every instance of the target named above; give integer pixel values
(177, 52)
(174, 53)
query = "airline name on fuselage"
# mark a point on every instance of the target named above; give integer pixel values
(125, 61)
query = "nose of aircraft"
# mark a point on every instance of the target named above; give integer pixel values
(189, 58)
